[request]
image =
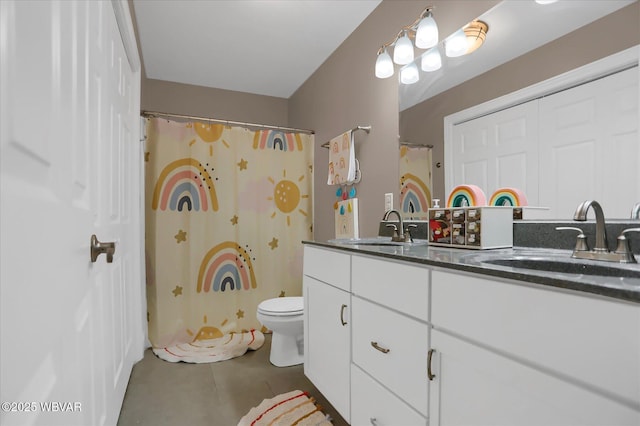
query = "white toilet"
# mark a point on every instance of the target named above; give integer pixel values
(283, 316)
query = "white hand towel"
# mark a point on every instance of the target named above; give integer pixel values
(342, 160)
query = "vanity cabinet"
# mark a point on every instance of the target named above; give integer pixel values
(327, 324)
(390, 342)
(516, 354)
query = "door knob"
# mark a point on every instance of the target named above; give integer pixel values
(97, 248)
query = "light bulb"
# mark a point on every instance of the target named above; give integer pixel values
(431, 60)
(409, 74)
(384, 65)
(456, 44)
(427, 33)
(403, 51)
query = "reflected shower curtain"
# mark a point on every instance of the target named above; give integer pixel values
(415, 181)
(226, 211)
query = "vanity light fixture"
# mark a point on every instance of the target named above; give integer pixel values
(403, 50)
(546, 1)
(467, 39)
(409, 74)
(384, 64)
(424, 30)
(431, 60)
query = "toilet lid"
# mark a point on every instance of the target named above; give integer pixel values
(282, 306)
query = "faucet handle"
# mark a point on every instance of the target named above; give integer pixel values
(624, 248)
(581, 241)
(395, 229)
(407, 232)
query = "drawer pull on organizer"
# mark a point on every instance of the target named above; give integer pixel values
(342, 315)
(380, 348)
(430, 374)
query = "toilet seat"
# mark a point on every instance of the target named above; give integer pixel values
(282, 306)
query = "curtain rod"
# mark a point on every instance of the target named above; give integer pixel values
(409, 144)
(217, 120)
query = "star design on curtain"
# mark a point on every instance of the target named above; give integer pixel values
(281, 294)
(234, 220)
(274, 243)
(180, 236)
(177, 291)
(243, 164)
(240, 314)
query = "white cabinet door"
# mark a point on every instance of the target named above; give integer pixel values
(327, 334)
(70, 329)
(476, 386)
(589, 148)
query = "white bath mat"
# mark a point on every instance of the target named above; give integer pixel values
(212, 350)
(287, 409)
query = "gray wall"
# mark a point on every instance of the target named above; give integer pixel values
(177, 98)
(606, 36)
(344, 93)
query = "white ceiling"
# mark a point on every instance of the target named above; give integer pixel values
(267, 47)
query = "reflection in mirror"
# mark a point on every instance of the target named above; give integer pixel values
(424, 105)
(415, 181)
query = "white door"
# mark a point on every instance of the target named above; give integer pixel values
(589, 147)
(499, 150)
(70, 167)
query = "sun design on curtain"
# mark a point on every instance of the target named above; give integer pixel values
(227, 210)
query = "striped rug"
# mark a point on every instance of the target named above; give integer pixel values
(287, 409)
(212, 350)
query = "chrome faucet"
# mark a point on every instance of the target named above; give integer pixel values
(622, 254)
(398, 234)
(601, 229)
(635, 212)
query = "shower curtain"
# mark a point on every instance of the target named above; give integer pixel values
(415, 181)
(226, 211)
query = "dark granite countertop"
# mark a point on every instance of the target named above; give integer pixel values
(620, 287)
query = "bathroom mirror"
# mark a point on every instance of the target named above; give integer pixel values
(416, 181)
(444, 92)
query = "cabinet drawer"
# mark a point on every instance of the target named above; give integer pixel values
(328, 266)
(398, 285)
(403, 369)
(592, 340)
(372, 404)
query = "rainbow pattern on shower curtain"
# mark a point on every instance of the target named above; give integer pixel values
(227, 209)
(415, 182)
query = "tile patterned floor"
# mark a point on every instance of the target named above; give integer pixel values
(161, 393)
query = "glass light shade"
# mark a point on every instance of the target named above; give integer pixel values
(546, 1)
(384, 65)
(409, 74)
(431, 60)
(456, 44)
(403, 51)
(427, 33)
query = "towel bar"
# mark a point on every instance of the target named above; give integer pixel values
(365, 128)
